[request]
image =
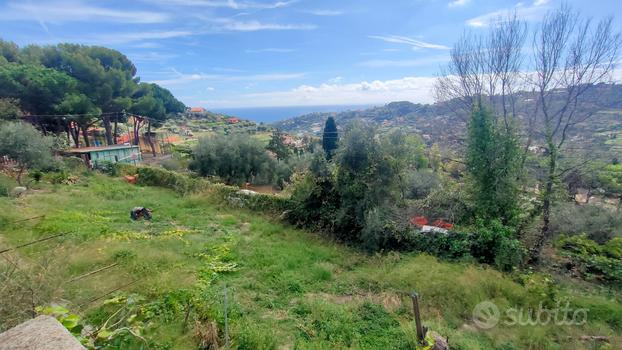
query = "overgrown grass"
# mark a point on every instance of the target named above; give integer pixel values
(286, 288)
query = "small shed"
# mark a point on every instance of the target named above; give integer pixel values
(115, 154)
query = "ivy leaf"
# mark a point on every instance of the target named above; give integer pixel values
(71, 321)
(104, 334)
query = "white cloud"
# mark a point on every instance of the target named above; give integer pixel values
(404, 63)
(151, 56)
(122, 38)
(252, 26)
(531, 12)
(147, 45)
(134, 38)
(458, 3)
(414, 43)
(270, 49)
(232, 4)
(416, 89)
(177, 78)
(324, 12)
(75, 11)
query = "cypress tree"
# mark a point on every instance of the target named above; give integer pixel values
(330, 138)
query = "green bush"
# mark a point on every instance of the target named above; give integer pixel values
(107, 167)
(380, 232)
(494, 246)
(613, 248)
(594, 261)
(421, 183)
(172, 164)
(452, 245)
(266, 203)
(449, 201)
(73, 164)
(126, 169)
(510, 254)
(490, 239)
(169, 179)
(6, 185)
(57, 177)
(598, 223)
(236, 159)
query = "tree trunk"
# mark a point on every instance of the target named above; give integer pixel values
(75, 135)
(115, 133)
(149, 140)
(544, 234)
(85, 135)
(108, 128)
(137, 125)
(19, 174)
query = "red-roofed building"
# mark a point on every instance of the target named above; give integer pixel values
(233, 120)
(197, 110)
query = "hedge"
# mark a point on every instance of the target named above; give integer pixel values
(267, 203)
(184, 184)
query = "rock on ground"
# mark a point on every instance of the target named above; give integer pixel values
(41, 333)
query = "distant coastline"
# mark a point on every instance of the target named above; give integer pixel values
(269, 115)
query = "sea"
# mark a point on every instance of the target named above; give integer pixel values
(268, 115)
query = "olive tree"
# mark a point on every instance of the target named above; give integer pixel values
(26, 146)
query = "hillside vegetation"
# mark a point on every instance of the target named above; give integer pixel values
(286, 288)
(440, 123)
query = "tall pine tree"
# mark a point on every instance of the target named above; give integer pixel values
(330, 138)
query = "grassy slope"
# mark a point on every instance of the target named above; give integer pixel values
(291, 288)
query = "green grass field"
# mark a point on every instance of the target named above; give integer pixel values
(287, 289)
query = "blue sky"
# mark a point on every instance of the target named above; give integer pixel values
(238, 53)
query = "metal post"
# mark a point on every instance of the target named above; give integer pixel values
(420, 333)
(226, 321)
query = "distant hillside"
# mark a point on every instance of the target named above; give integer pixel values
(437, 123)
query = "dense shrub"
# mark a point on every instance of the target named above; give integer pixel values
(314, 199)
(493, 245)
(610, 178)
(236, 159)
(419, 184)
(595, 261)
(600, 224)
(267, 203)
(172, 164)
(449, 201)
(452, 245)
(60, 177)
(107, 167)
(6, 185)
(73, 164)
(381, 232)
(169, 179)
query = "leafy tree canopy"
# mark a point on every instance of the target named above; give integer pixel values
(25, 145)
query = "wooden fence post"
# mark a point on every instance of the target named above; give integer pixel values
(420, 330)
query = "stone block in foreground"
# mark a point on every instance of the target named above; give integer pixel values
(41, 333)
